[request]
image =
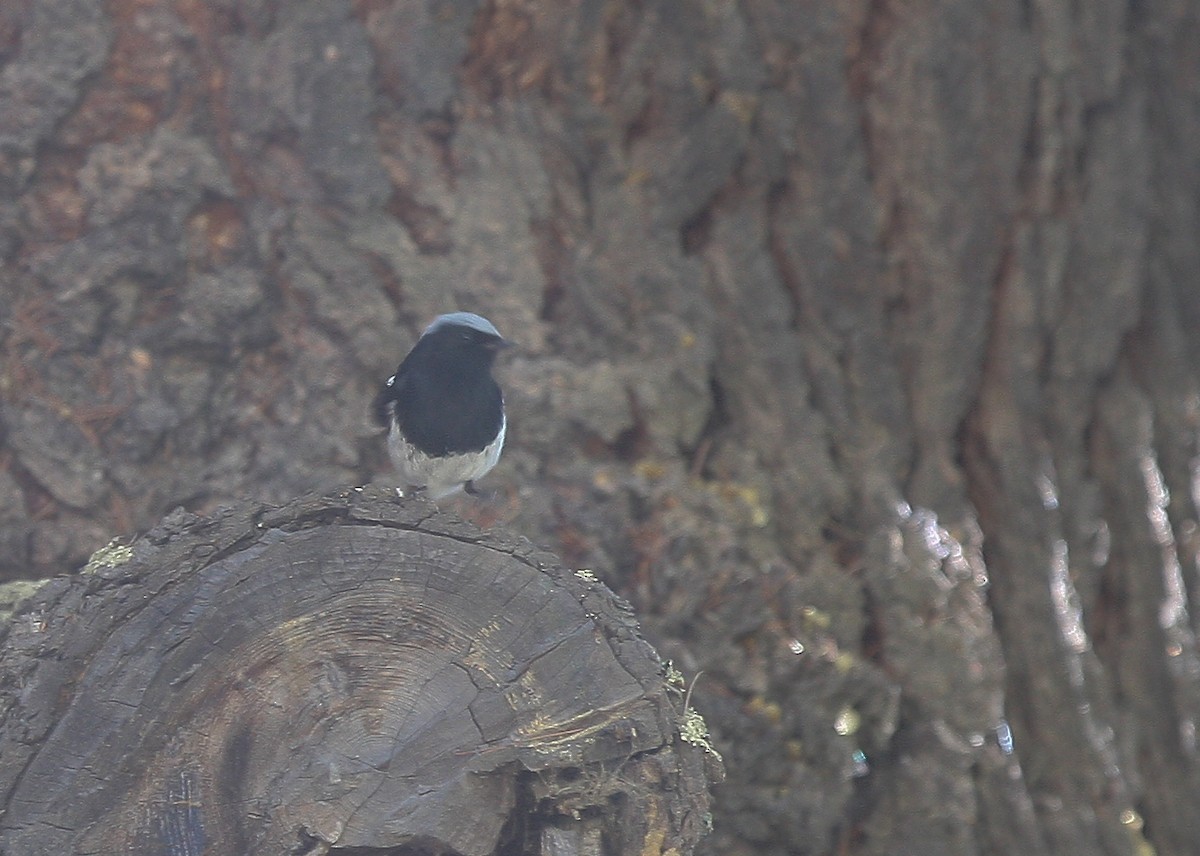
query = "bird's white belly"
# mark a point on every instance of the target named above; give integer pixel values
(441, 476)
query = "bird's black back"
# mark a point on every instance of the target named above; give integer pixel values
(444, 397)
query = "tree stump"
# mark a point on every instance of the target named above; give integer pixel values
(348, 673)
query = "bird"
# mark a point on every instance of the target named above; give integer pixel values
(443, 410)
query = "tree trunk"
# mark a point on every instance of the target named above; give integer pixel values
(856, 348)
(344, 673)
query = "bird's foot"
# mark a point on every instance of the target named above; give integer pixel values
(483, 494)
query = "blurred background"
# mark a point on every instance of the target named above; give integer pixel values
(855, 346)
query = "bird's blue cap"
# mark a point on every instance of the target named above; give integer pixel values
(463, 319)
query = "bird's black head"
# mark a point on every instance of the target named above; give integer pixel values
(460, 341)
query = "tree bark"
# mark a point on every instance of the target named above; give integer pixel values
(348, 672)
(856, 349)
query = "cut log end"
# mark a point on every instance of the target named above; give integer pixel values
(351, 673)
